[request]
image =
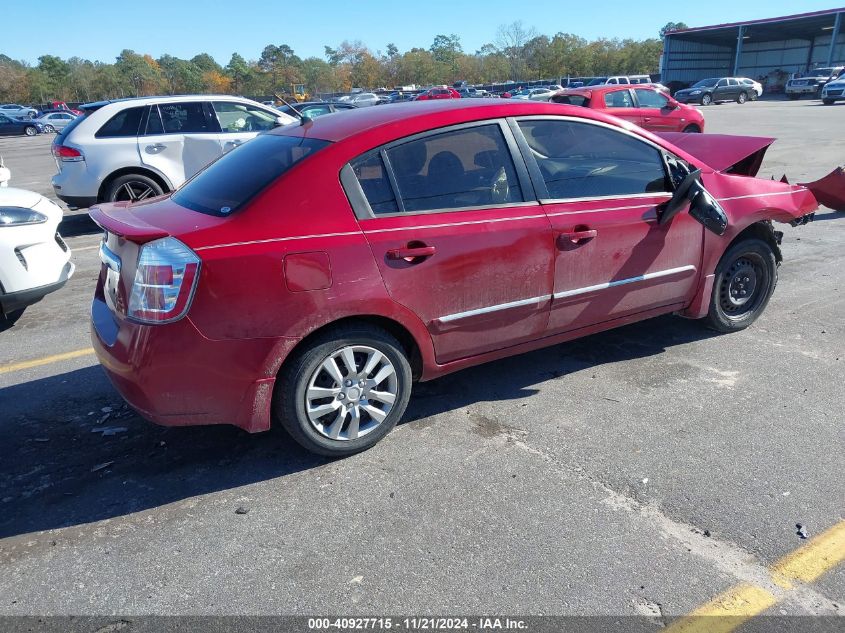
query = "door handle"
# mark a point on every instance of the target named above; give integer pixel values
(409, 253)
(156, 148)
(576, 237)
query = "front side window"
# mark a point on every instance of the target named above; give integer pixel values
(582, 160)
(618, 99)
(651, 99)
(236, 177)
(124, 123)
(185, 118)
(240, 117)
(315, 111)
(469, 167)
(722, 83)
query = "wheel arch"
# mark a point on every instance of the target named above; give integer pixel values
(124, 171)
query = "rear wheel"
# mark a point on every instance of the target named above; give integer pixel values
(706, 100)
(30, 130)
(345, 391)
(132, 188)
(742, 98)
(745, 280)
(691, 129)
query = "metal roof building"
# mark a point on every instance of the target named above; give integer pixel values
(768, 50)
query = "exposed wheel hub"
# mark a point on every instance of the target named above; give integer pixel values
(739, 286)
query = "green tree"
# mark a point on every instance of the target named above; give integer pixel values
(672, 26)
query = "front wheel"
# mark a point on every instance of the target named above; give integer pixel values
(827, 101)
(742, 98)
(345, 391)
(745, 280)
(691, 129)
(49, 129)
(29, 130)
(706, 100)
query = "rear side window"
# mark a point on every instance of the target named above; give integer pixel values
(236, 177)
(581, 160)
(470, 167)
(186, 118)
(124, 123)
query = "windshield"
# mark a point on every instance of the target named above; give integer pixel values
(705, 83)
(597, 81)
(236, 177)
(819, 72)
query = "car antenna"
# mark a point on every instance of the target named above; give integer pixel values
(303, 119)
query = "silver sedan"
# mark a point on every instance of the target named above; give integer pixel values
(55, 121)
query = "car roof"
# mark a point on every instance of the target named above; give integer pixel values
(141, 101)
(437, 113)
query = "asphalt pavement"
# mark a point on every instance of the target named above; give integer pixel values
(642, 471)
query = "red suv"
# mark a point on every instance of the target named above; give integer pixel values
(308, 277)
(643, 105)
(443, 92)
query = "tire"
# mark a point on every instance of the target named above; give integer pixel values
(30, 130)
(706, 99)
(132, 187)
(748, 262)
(691, 129)
(49, 129)
(828, 101)
(300, 415)
(742, 97)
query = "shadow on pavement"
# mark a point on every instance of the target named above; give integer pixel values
(78, 224)
(63, 467)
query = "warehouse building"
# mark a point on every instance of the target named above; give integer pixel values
(769, 50)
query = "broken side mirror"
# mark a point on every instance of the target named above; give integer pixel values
(704, 208)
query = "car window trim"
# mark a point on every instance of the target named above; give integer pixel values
(361, 206)
(537, 176)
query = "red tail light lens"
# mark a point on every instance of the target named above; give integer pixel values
(165, 281)
(67, 154)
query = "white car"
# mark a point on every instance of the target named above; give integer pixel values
(534, 94)
(755, 85)
(55, 121)
(34, 259)
(133, 149)
(15, 111)
(833, 91)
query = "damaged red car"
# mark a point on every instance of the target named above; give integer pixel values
(309, 277)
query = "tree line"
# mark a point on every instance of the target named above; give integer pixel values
(516, 53)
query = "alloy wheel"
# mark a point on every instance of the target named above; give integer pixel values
(351, 392)
(133, 191)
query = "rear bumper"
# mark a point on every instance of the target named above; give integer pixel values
(76, 202)
(174, 376)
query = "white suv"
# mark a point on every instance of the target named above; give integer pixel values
(132, 149)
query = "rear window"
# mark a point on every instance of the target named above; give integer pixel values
(62, 135)
(124, 123)
(576, 100)
(235, 178)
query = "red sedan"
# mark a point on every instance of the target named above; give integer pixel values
(645, 106)
(308, 277)
(443, 92)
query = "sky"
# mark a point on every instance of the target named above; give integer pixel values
(100, 30)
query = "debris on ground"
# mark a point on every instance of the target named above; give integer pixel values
(110, 430)
(802, 531)
(241, 510)
(102, 466)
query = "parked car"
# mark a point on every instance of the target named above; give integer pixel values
(34, 259)
(642, 105)
(132, 149)
(534, 94)
(15, 111)
(55, 120)
(833, 91)
(756, 85)
(360, 99)
(61, 105)
(313, 109)
(13, 127)
(811, 82)
(307, 278)
(715, 90)
(619, 79)
(443, 92)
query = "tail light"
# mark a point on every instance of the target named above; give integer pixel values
(165, 281)
(67, 154)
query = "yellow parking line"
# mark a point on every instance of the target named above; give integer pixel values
(730, 609)
(725, 612)
(820, 554)
(55, 358)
